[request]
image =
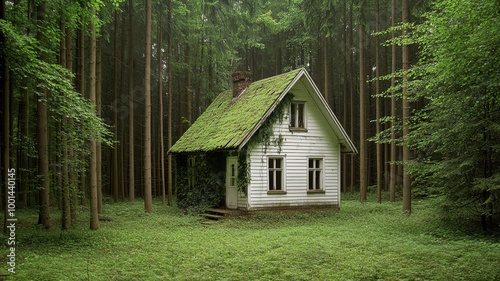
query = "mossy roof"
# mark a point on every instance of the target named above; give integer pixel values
(227, 122)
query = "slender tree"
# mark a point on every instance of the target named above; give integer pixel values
(43, 136)
(169, 75)
(406, 113)
(98, 110)
(160, 95)
(94, 214)
(148, 200)
(393, 168)
(363, 183)
(66, 209)
(115, 109)
(378, 103)
(131, 172)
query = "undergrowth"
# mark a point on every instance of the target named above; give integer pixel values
(367, 241)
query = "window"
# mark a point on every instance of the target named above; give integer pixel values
(297, 115)
(232, 178)
(275, 169)
(315, 174)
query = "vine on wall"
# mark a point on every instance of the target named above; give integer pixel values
(264, 135)
(209, 185)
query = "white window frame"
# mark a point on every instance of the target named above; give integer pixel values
(318, 166)
(295, 116)
(271, 181)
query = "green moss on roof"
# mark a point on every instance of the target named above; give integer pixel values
(226, 122)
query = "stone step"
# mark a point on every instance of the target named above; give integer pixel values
(220, 212)
(212, 216)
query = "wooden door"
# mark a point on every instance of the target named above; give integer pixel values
(232, 182)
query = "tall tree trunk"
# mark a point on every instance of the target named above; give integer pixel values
(351, 88)
(170, 94)
(117, 145)
(98, 109)
(406, 115)
(325, 68)
(43, 138)
(378, 103)
(81, 89)
(131, 172)
(363, 185)
(148, 199)
(393, 168)
(160, 94)
(344, 121)
(66, 200)
(94, 214)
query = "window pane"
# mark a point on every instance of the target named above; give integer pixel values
(311, 163)
(300, 115)
(279, 183)
(271, 180)
(278, 163)
(318, 180)
(311, 173)
(293, 113)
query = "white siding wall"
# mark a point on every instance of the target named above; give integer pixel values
(319, 141)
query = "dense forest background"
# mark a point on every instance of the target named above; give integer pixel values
(95, 92)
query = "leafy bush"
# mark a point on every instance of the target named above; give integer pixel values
(209, 186)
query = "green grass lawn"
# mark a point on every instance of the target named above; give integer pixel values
(360, 242)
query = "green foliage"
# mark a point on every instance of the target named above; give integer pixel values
(243, 171)
(22, 53)
(367, 241)
(209, 183)
(457, 133)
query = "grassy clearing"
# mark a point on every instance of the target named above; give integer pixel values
(361, 242)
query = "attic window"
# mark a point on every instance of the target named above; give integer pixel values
(297, 116)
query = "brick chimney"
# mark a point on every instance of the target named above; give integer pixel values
(241, 80)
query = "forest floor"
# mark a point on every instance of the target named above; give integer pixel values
(367, 241)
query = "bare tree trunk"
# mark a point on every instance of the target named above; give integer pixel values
(378, 104)
(94, 214)
(160, 94)
(351, 90)
(325, 69)
(362, 139)
(81, 88)
(115, 111)
(170, 94)
(393, 168)
(131, 172)
(66, 210)
(406, 116)
(98, 109)
(43, 140)
(148, 199)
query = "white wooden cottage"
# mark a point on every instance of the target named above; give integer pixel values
(291, 139)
